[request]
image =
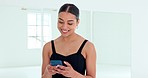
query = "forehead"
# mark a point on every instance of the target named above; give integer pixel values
(66, 16)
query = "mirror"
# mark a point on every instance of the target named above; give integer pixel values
(110, 32)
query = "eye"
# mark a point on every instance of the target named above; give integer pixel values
(60, 22)
(70, 23)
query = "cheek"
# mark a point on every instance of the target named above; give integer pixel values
(73, 28)
(59, 25)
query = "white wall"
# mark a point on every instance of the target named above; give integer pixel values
(13, 40)
(110, 32)
(138, 9)
(112, 37)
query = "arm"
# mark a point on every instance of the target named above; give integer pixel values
(45, 59)
(90, 65)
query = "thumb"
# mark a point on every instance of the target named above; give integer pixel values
(67, 64)
(48, 67)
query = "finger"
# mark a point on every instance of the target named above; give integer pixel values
(67, 64)
(53, 72)
(49, 67)
(64, 68)
(60, 67)
(63, 72)
(54, 68)
(58, 70)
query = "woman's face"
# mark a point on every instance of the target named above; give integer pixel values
(67, 23)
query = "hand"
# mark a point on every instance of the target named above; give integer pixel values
(66, 71)
(50, 70)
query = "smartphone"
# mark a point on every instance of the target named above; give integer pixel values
(55, 62)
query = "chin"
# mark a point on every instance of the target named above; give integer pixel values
(63, 35)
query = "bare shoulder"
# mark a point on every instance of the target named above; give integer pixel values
(47, 48)
(90, 48)
(89, 45)
(47, 45)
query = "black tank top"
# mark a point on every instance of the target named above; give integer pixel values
(77, 61)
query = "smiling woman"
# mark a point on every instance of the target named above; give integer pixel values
(72, 49)
(109, 31)
(68, 19)
(67, 23)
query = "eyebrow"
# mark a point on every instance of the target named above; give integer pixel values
(63, 20)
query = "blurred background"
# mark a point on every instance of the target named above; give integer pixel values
(111, 25)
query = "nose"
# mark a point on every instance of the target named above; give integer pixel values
(64, 26)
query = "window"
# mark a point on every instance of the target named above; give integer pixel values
(39, 29)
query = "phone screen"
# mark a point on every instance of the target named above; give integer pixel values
(55, 62)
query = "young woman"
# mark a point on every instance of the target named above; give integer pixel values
(77, 53)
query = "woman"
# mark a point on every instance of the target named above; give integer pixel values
(77, 53)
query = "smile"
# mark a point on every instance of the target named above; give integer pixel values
(65, 31)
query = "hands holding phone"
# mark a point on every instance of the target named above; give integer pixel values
(57, 67)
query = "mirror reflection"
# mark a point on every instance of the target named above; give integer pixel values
(24, 31)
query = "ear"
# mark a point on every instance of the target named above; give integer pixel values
(78, 22)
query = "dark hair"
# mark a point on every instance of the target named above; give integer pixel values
(71, 8)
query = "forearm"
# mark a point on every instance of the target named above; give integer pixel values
(78, 75)
(46, 76)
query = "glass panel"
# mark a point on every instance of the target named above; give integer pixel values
(47, 38)
(39, 28)
(46, 31)
(46, 18)
(31, 30)
(31, 18)
(39, 19)
(34, 42)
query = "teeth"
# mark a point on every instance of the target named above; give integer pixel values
(64, 30)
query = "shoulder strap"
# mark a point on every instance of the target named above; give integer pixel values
(81, 47)
(53, 47)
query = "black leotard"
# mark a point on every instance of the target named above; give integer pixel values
(77, 61)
